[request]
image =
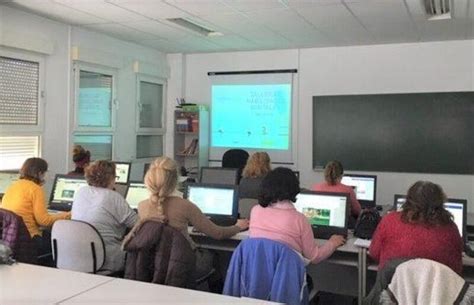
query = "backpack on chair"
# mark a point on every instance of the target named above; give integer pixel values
(367, 223)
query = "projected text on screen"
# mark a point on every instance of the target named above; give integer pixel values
(251, 116)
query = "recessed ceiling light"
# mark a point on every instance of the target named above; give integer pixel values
(194, 27)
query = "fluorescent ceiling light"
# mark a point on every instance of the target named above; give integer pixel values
(196, 28)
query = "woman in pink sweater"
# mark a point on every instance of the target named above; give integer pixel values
(423, 229)
(277, 219)
(333, 172)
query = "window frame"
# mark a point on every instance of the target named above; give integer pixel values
(86, 67)
(97, 133)
(147, 131)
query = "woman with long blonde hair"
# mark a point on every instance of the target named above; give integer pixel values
(161, 180)
(257, 167)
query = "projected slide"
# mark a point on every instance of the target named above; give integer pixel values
(251, 116)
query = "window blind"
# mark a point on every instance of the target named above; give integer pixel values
(15, 150)
(19, 86)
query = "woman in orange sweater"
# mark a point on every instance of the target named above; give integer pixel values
(26, 198)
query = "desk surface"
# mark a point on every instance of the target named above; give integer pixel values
(120, 291)
(23, 284)
(29, 284)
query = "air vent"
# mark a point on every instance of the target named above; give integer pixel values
(194, 27)
(438, 9)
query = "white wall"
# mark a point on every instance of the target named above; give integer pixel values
(394, 68)
(37, 36)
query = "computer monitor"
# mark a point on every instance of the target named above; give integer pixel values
(62, 194)
(7, 178)
(122, 172)
(457, 207)
(327, 213)
(365, 188)
(219, 202)
(146, 167)
(136, 193)
(219, 175)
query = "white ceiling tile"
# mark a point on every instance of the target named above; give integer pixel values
(163, 45)
(50, 9)
(254, 5)
(150, 8)
(311, 3)
(202, 7)
(328, 16)
(158, 28)
(103, 10)
(121, 31)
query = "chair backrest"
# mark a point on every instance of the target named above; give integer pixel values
(268, 270)
(77, 246)
(159, 253)
(245, 206)
(14, 234)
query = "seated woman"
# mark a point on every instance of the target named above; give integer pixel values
(81, 158)
(277, 219)
(161, 180)
(423, 229)
(257, 167)
(25, 198)
(333, 172)
(105, 209)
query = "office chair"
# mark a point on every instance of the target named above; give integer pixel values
(77, 246)
(235, 158)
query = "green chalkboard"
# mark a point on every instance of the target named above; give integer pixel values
(414, 132)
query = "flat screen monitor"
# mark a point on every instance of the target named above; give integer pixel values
(122, 172)
(62, 194)
(365, 188)
(219, 175)
(136, 193)
(457, 207)
(219, 202)
(326, 212)
(7, 178)
(146, 167)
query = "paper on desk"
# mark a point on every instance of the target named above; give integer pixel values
(364, 243)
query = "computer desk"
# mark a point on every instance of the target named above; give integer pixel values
(346, 257)
(33, 285)
(332, 274)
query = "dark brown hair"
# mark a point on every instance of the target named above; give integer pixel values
(333, 171)
(425, 205)
(100, 173)
(278, 185)
(32, 169)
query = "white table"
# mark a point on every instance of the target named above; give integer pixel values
(23, 284)
(121, 291)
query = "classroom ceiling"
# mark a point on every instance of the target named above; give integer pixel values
(258, 24)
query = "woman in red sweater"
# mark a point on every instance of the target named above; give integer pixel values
(423, 229)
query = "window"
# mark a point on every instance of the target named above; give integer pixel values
(20, 108)
(95, 110)
(15, 150)
(100, 146)
(150, 117)
(94, 100)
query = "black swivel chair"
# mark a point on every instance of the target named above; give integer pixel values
(235, 158)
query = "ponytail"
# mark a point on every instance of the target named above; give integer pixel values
(333, 171)
(161, 180)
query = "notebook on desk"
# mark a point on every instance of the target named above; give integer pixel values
(136, 193)
(328, 213)
(218, 202)
(7, 178)
(457, 207)
(62, 194)
(365, 188)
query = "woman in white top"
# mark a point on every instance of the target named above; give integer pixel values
(105, 209)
